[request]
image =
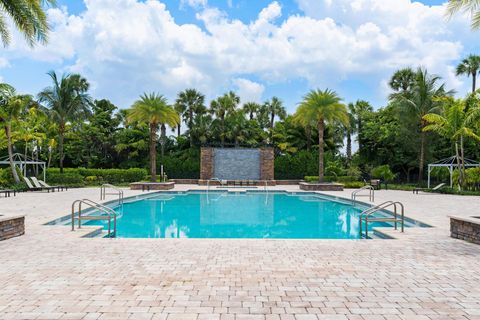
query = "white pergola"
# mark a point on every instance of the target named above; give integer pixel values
(21, 162)
(451, 164)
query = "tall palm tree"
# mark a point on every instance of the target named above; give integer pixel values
(275, 108)
(471, 7)
(12, 107)
(361, 108)
(350, 129)
(153, 109)
(470, 67)
(67, 101)
(190, 102)
(251, 108)
(456, 123)
(402, 80)
(326, 108)
(29, 18)
(418, 102)
(221, 107)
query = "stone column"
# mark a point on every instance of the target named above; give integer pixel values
(267, 164)
(206, 163)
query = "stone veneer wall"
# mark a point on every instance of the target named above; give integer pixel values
(206, 163)
(267, 163)
(465, 230)
(11, 227)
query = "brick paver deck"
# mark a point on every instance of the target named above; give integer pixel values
(52, 273)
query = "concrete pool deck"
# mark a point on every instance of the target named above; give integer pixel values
(53, 273)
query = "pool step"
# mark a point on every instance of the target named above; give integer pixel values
(93, 218)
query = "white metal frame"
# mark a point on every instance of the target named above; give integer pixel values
(451, 164)
(21, 162)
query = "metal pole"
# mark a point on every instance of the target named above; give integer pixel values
(429, 170)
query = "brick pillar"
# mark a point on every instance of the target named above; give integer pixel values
(206, 163)
(267, 164)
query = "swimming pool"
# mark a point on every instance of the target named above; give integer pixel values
(251, 214)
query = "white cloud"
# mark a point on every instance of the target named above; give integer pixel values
(249, 91)
(194, 3)
(125, 47)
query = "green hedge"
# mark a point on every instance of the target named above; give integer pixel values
(340, 179)
(184, 165)
(296, 166)
(81, 176)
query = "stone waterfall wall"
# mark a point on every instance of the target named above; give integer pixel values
(237, 163)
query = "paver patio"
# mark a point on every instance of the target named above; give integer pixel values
(52, 273)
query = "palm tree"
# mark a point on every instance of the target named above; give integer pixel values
(67, 101)
(251, 108)
(418, 102)
(402, 80)
(152, 109)
(470, 67)
(361, 108)
(221, 107)
(29, 18)
(326, 108)
(275, 108)
(471, 7)
(190, 102)
(350, 129)
(456, 123)
(12, 106)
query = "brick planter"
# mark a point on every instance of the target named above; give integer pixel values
(147, 186)
(11, 227)
(307, 186)
(467, 229)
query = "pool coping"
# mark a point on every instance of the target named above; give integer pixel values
(61, 221)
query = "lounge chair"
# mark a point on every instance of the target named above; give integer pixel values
(42, 183)
(438, 187)
(32, 188)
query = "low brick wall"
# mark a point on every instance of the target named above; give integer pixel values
(147, 186)
(321, 186)
(185, 181)
(11, 227)
(465, 230)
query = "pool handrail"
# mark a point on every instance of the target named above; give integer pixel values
(371, 194)
(103, 192)
(92, 204)
(365, 216)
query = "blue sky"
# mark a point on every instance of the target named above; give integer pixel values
(258, 48)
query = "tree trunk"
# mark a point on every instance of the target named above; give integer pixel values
(251, 115)
(61, 134)
(459, 166)
(272, 120)
(462, 159)
(349, 145)
(178, 130)
(359, 135)
(474, 81)
(222, 134)
(163, 136)
(153, 152)
(321, 170)
(10, 154)
(190, 126)
(308, 131)
(421, 161)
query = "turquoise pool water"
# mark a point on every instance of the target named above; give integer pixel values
(239, 215)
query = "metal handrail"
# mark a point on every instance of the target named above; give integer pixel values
(364, 216)
(92, 204)
(103, 192)
(371, 193)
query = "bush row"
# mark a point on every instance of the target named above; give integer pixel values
(81, 176)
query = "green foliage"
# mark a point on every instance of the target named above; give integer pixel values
(384, 173)
(296, 166)
(82, 176)
(184, 165)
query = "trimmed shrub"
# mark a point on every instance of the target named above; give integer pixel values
(82, 176)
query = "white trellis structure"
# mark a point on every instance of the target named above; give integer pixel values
(22, 162)
(451, 164)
